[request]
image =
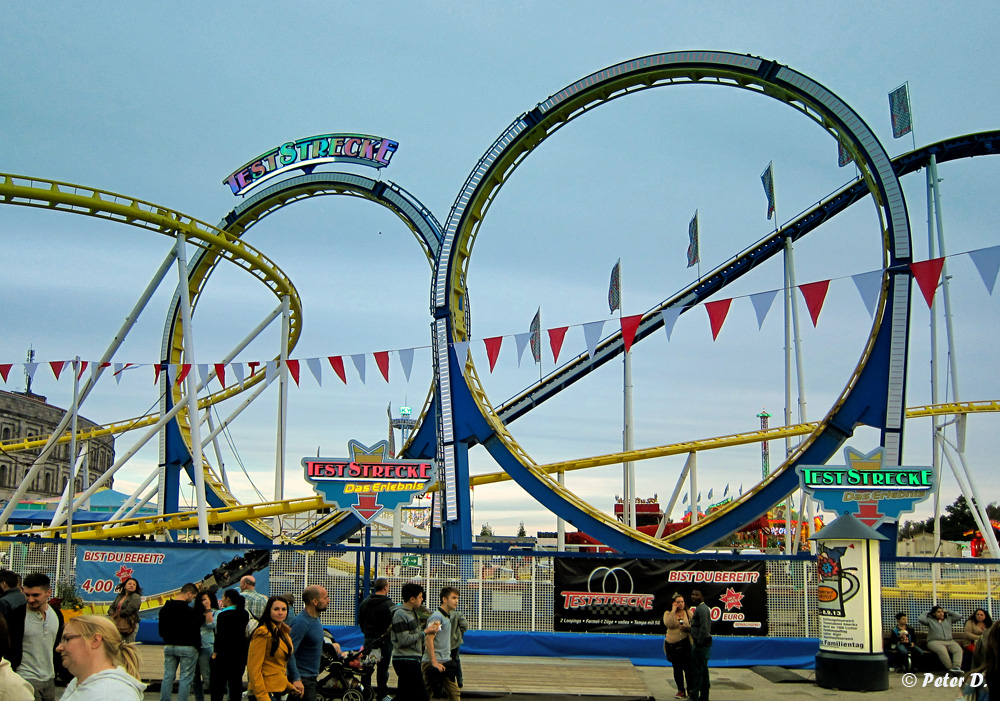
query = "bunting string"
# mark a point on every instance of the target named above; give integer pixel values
(926, 274)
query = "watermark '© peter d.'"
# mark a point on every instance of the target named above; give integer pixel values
(975, 680)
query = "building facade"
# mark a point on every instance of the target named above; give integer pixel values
(27, 415)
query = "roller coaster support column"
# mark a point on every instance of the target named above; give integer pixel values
(693, 460)
(979, 505)
(673, 497)
(279, 467)
(194, 418)
(71, 483)
(88, 385)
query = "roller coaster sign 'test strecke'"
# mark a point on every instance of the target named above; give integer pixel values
(305, 154)
(368, 487)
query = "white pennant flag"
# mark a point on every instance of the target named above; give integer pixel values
(869, 285)
(118, 368)
(669, 316)
(316, 368)
(462, 354)
(762, 302)
(239, 372)
(359, 363)
(406, 360)
(203, 373)
(987, 262)
(521, 339)
(270, 371)
(95, 372)
(592, 335)
(172, 369)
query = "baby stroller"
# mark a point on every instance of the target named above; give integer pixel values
(343, 677)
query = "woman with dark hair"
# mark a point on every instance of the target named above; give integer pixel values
(988, 648)
(677, 643)
(940, 639)
(124, 610)
(206, 605)
(979, 622)
(12, 686)
(229, 659)
(270, 648)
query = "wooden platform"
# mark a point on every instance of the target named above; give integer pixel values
(489, 674)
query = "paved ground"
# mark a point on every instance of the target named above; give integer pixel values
(728, 684)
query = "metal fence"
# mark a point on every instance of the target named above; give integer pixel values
(515, 591)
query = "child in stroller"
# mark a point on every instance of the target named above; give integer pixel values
(343, 677)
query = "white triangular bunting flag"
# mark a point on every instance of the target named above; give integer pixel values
(359, 364)
(869, 285)
(316, 368)
(239, 372)
(462, 354)
(118, 368)
(592, 335)
(670, 315)
(406, 360)
(762, 302)
(987, 262)
(203, 373)
(172, 370)
(522, 340)
(270, 370)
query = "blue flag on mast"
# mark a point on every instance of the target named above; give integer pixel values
(767, 178)
(693, 253)
(899, 110)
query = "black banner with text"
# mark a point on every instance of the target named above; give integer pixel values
(631, 596)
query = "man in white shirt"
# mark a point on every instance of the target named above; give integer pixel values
(35, 631)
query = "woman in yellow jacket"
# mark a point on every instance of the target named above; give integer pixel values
(270, 648)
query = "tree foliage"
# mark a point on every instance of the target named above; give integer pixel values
(956, 521)
(487, 529)
(521, 533)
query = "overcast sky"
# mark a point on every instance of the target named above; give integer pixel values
(162, 104)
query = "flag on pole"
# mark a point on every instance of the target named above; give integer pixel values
(536, 336)
(615, 288)
(726, 491)
(843, 155)
(899, 109)
(685, 499)
(693, 253)
(767, 178)
(710, 493)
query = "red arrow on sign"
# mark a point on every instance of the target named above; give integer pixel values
(868, 513)
(367, 506)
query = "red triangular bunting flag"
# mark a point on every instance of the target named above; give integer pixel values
(293, 370)
(5, 370)
(630, 324)
(253, 367)
(57, 367)
(927, 274)
(83, 366)
(717, 312)
(220, 372)
(185, 368)
(157, 367)
(556, 337)
(815, 294)
(337, 363)
(382, 360)
(493, 349)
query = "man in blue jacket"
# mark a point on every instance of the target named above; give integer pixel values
(307, 643)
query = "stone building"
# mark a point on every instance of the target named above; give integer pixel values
(26, 415)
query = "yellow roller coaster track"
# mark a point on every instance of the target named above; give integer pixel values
(149, 525)
(50, 194)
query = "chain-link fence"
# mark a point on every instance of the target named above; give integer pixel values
(515, 591)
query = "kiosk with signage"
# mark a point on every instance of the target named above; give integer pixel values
(866, 492)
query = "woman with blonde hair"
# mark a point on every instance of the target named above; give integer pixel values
(102, 664)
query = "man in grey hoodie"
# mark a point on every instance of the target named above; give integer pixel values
(408, 644)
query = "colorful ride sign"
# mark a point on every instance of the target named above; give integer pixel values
(867, 487)
(366, 482)
(305, 154)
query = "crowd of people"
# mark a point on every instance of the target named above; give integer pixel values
(212, 639)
